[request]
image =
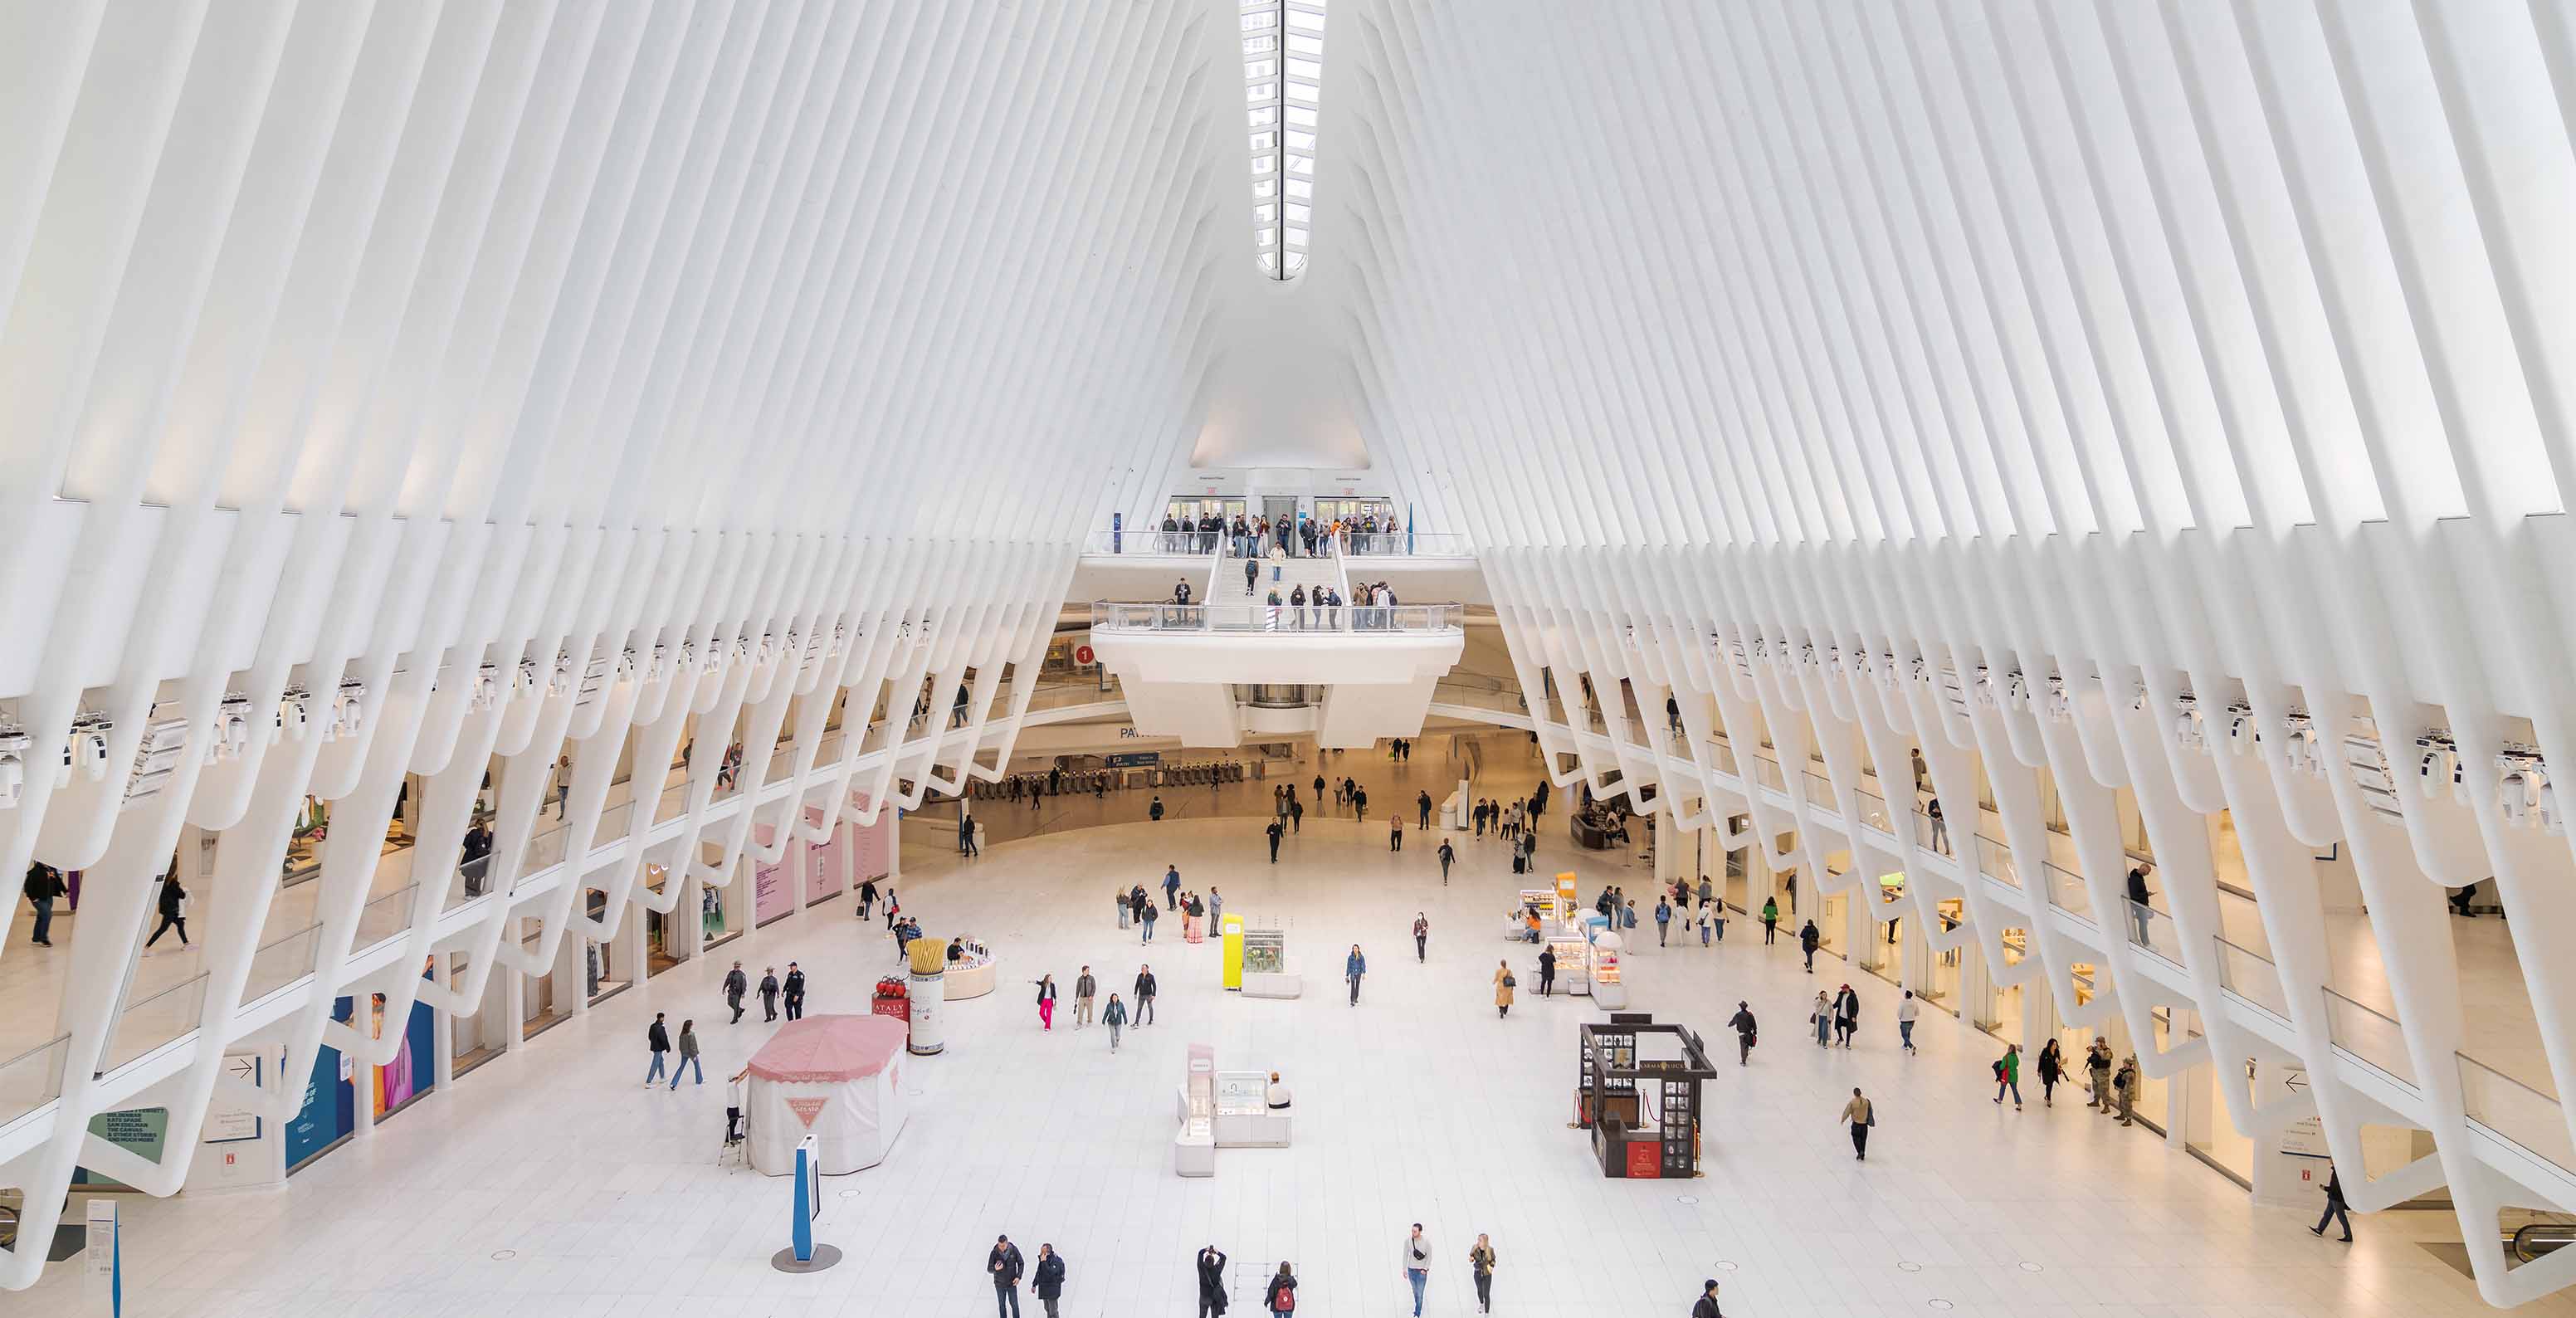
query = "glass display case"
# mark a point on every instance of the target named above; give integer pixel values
(1265, 952)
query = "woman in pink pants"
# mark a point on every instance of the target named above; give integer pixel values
(1046, 1002)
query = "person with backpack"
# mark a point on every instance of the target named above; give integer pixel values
(2008, 1075)
(1417, 1265)
(1707, 1306)
(768, 994)
(2097, 1063)
(1742, 1023)
(1280, 1295)
(1770, 921)
(735, 986)
(1503, 984)
(1663, 919)
(1861, 1117)
(1447, 854)
(658, 1039)
(1155, 811)
(1846, 1015)
(1049, 1278)
(1808, 940)
(1422, 809)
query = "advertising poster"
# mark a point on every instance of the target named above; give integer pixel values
(770, 895)
(823, 869)
(871, 845)
(140, 1131)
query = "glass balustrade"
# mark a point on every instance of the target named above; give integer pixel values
(2066, 890)
(1411, 619)
(1873, 811)
(1152, 541)
(281, 961)
(384, 918)
(33, 1078)
(147, 1023)
(1820, 791)
(1994, 860)
(1766, 771)
(2368, 1035)
(2154, 931)
(2252, 976)
(1412, 544)
(2517, 1112)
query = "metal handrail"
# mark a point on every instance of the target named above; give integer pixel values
(1343, 619)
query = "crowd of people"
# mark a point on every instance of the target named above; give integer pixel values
(1260, 536)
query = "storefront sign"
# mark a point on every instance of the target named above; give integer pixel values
(1135, 759)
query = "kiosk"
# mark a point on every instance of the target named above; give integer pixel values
(1194, 1144)
(1601, 970)
(836, 1079)
(1264, 965)
(1638, 1092)
(1243, 1116)
(969, 976)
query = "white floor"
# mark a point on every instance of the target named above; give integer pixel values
(550, 1182)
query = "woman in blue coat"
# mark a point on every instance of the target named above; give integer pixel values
(1353, 967)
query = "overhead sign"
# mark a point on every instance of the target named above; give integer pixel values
(1136, 760)
(231, 1125)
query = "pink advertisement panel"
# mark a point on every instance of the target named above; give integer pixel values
(872, 845)
(770, 895)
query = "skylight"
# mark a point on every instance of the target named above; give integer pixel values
(1283, 84)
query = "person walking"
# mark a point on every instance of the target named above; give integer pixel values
(45, 883)
(657, 1038)
(1417, 1265)
(1940, 826)
(1808, 939)
(1171, 886)
(1046, 1002)
(795, 992)
(2052, 1067)
(768, 994)
(1822, 1017)
(1115, 1017)
(1422, 809)
(1148, 918)
(2008, 1075)
(1707, 1305)
(1126, 909)
(1048, 1280)
(2336, 1209)
(1146, 988)
(174, 911)
(1275, 832)
(1296, 815)
(1280, 1295)
(1004, 1264)
(1770, 921)
(2097, 1065)
(1210, 1267)
(1906, 1012)
(1663, 919)
(1846, 1015)
(1503, 985)
(1742, 1023)
(1354, 968)
(1447, 854)
(1546, 971)
(735, 986)
(1084, 986)
(1861, 1117)
(1421, 937)
(1480, 1265)
(688, 1055)
(2138, 908)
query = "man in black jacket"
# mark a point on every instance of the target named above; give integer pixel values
(1211, 1268)
(1145, 987)
(659, 1040)
(795, 992)
(1742, 1021)
(1048, 1280)
(2334, 1207)
(44, 884)
(1004, 1264)
(735, 985)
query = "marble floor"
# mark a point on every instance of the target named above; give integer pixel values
(550, 1182)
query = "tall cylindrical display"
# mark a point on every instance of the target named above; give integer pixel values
(929, 990)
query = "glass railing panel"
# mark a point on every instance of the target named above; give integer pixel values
(1820, 791)
(2368, 1035)
(1152, 540)
(2066, 890)
(147, 1023)
(1267, 617)
(1994, 860)
(1416, 544)
(1721, 757)
(385, 917)
(2154, 931)
(2252, 976)
(33, 1078)
(281, 961)
(1766, 771)
(2517, 1112)
(1873, 811)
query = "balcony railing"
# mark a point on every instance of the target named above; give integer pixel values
(2066, 891)
(1167, 544)
(1414, 544)
(1994, 859)
(2368, 1035)
(2251, 975)
(2154, 931)
(2516, 1111)
(1410, 619)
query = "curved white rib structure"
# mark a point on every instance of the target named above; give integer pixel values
(2158, 397)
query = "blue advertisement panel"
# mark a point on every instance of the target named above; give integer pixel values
(329, 1111)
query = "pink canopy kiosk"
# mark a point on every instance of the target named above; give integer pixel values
(837, 1078)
